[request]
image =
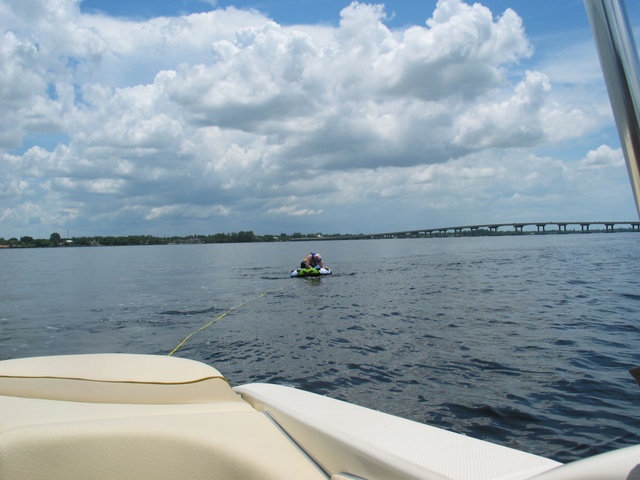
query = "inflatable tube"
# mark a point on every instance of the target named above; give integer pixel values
(310, 272)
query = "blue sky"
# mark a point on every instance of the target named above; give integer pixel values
(183, 117)
(542, 17)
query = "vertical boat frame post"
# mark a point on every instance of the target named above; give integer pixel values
(619, 61)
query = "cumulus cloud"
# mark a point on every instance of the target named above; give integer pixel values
(603, 157)
(226, 120)
(500, 124)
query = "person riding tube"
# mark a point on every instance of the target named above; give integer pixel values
(313, 260)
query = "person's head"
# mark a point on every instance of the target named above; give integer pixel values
(317, 257)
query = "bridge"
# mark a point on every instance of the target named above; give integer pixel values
(541, 227)
(488, 229)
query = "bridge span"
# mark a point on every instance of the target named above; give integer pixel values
(541, 227)
(485, 229)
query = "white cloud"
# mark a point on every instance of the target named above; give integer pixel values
(293, 212)
(518, 121)
(603, 157)
(222, 117)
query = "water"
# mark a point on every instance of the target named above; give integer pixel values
(524, 341)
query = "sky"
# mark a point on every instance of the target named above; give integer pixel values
(183, 117)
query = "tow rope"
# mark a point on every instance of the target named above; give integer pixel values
(217, 319)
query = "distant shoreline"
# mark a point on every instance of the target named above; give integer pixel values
(518, 229)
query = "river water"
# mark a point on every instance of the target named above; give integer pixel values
(520, 340)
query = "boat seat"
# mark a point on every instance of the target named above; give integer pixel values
(135, 417)
(114, 378)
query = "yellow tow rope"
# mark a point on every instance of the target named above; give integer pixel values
(217, 319)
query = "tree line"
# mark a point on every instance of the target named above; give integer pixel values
(56, 240)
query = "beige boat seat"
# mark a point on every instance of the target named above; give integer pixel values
(114, 378)
(122, 416)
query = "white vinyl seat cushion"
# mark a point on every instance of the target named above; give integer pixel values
(135, 417)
